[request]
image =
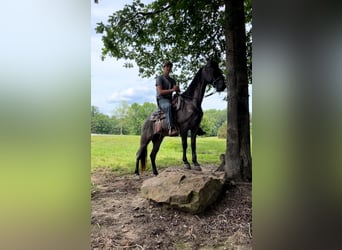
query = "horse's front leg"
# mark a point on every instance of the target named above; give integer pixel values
(185, 146)
(193, 150)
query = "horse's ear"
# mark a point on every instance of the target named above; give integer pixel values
(210, 58)
(209, 61)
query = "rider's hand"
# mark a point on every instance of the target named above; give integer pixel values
(176, 88)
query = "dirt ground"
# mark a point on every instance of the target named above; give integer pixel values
(121, 219)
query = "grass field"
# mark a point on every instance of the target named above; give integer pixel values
(118, 152)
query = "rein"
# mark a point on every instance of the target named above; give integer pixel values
(211, 93)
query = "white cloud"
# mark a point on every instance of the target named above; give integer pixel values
(139, 94)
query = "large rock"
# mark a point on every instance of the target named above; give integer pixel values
(188, 190)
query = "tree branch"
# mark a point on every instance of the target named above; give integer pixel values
(151, 13)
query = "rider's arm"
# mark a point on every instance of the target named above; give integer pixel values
(161, 91)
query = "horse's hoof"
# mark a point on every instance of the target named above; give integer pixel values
(187, 166)
(155, 174)
(198, 168)
(137, 177)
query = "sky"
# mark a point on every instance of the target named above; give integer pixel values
(111, 83)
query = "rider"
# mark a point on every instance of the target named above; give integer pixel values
(165, 86)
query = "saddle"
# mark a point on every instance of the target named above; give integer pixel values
(176, 104)
(158, 116)
(159, 121)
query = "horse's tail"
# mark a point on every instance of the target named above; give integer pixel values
(143, 159)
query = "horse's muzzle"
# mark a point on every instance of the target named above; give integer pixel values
(220, 85)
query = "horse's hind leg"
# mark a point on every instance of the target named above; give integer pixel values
(146, 137)
(137, 162)
(141, 157)
(157, 140)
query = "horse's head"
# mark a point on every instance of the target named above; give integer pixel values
(213, 75)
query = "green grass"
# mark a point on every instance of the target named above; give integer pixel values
(118, 152)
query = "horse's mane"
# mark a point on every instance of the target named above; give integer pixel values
(189, 92)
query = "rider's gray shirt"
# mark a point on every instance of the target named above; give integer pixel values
(166, 82)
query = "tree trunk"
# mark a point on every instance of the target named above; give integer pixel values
(238, 155)
(243, 102)
(232, 166)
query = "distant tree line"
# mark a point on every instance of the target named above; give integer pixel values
(128, 119)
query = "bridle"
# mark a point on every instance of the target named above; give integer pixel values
(214, 83)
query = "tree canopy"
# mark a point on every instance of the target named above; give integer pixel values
(186, 32)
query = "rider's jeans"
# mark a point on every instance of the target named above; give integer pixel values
(165, 105)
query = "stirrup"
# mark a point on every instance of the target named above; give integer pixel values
(173, 132)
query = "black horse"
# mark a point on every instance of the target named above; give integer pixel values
(188, 117)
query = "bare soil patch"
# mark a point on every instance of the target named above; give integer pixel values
(121, 219)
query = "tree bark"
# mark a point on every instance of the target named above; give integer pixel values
(238, 154)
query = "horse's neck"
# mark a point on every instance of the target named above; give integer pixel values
(196, 89)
